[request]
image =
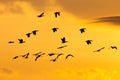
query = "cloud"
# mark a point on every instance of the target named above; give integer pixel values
(14, 6)
(90, 8)
(111, 19)
(6, 71)
(89, 74)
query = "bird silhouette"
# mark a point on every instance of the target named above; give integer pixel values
(99, 49)
(25, 56)
(82, 30)
(57, 14)
(15, 57)
(41, 15)
(28, 34)
(21, 41)
(59, 55)
(113, 47)
(39, 56)
(63, 40)
(62, 47)
(34, 32)
(51, 54)
(55, 29)
(88, 42)
(11, 42)
(69, 56)
(54, 60)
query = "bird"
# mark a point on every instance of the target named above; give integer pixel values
(37, 53)
(11, 42)
(39, 56)
(21, 41)
(55, 59)
(59, 55)
(62, 47)
(41, 15)
(69, 55)
(25, 56)
(63, 40)
(99, 49)
(28, 34)
(82, 30)
(34, 32)
(113, 47)
(88, 42)
(51, 54)
(15, 57)
(55, 29)
(57, 14)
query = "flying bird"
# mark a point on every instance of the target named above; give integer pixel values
(21, 41)
(63, 40)
(113, 47)
(57, 14)
(34, 32)
(41, 15)
(82, 30)
(55, 59)
(55, 29)
(15, 57)
(51, 54)
(62, 47)
(11, 42)
(39, 56)
(25, 56)
(59, 55)
(88, 42)
(69, 55)
(99, 49)
(28, 34)
(37, 53)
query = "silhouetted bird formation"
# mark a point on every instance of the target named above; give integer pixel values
(57, 14)
(63, 40)
(41, 15)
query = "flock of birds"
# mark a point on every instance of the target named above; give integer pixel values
(63, 40)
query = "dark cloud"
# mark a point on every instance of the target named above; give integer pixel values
(6, 71)
(111, 19)
(90, 8)
(10, 5)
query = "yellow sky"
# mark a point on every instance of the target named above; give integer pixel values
(86, 65)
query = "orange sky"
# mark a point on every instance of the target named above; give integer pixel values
(20, 17)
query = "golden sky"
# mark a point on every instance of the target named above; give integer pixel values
(100, 18)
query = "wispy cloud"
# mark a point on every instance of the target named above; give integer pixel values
(13, 6)
(111, 19)
(89, 74)
(6, 71)
(90, 8)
